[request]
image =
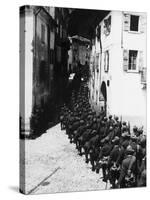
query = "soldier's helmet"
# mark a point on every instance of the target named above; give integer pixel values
(140, 131)
(135, 128)
(124, 123)
(116, 118)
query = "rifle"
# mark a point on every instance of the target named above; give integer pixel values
(129, 127)
(120, 125)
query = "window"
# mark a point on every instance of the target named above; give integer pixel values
(97, 62)
(96, 97)
(42, 33)
(134, 23)
(132, 60)
(106, 61)
(107, 26)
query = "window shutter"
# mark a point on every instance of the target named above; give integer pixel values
(125, 59)
(140, 61)
(126, 22)
(105, 61)
(142, 24)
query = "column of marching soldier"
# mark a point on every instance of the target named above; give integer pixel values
(106, 142)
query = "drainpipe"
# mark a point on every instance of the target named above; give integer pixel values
(122, 23)
(100, 53)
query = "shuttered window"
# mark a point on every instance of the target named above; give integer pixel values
(135, 23)
(140, 61)
(142, 22)
(125, 59)
(132, 60)
(106, 61)
(126, 22)
(43, 33)
(97, 62)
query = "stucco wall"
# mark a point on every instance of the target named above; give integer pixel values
(26, 66)
(125, 96)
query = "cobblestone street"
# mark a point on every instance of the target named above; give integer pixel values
(53, 165)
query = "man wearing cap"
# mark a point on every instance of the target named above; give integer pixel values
(127, 167)
(103, 156)
(113, 171)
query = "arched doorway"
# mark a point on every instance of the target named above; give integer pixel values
(103, 91)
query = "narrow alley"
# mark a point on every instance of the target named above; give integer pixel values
(82, 99)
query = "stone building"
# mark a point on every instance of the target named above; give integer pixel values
(44, 48)
(79, 52)
(118, 66)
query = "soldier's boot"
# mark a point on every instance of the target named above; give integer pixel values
(86, 158)
(76, 143)
(92, 163)
(104, 174)
(80, 151)
(77, 146)
(97, 168)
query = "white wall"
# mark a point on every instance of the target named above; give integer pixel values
(26, 65)
(125, 96)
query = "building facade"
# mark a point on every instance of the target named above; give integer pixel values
(118, 66)
(78, 53)
(43, 63)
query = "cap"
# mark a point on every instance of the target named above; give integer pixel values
(124, 123)
(135, 128)
(116, 140)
